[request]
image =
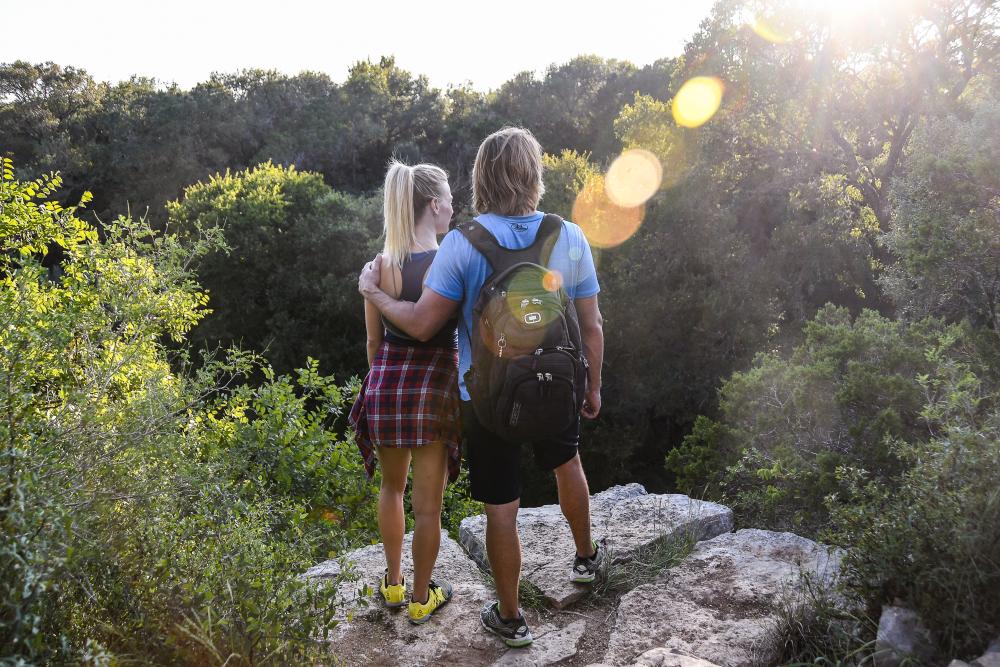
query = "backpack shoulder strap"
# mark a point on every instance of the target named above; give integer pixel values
(545, 240)
(483, 241)
(500, 258)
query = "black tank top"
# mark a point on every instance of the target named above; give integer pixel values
(413, 270)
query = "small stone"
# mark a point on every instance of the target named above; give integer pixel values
(991, 658)
(662, 657)
(902, 635)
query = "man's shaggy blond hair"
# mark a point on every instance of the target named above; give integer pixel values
(507, 175)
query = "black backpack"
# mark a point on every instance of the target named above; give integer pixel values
(528, 376)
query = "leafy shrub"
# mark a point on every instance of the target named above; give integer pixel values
(877, 436)
(787, 425)
(932, 537)
(285, 282)
(147, 512)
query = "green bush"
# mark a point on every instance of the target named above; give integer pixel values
(877, 436)
(932, 537)
(700, 456)
(285, 282)
(149, 511)
(786, 425)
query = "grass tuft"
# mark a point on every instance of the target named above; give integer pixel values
(621, 575)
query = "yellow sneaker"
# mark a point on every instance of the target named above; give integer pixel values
(437, 597)
(393, 595)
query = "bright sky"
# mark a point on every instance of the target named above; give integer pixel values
(449, 41)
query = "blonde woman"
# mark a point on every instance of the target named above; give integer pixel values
(408, 407)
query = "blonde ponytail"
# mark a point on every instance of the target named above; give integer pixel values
(397, 209)
(407, 192)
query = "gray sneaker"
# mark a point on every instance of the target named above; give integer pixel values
(585, 569)
(513, 631)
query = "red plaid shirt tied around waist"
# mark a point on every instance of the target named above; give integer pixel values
(409, 399)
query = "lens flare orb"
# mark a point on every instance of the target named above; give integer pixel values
(552, 280)
(697, 101)
(633, 178)
(773, 28)
(605, 224)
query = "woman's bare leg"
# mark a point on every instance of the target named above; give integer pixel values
(430, 471)
(395, 464)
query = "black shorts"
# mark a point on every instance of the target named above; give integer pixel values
(495, 464)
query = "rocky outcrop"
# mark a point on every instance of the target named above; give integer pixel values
(628, 519)
(720, 604)
(713, 609)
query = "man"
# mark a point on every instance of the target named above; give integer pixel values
(507, 186)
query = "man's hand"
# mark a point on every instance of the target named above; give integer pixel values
(592, 332)
(421, 320)
(591, 404)
(368, 281)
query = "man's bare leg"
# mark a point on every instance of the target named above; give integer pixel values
(574, 500)
(503, 547)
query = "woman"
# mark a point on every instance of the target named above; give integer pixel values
(407, 409)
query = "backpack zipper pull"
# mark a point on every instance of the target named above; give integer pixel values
(501, 344)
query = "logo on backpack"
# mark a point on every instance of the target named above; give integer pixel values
(528, 376)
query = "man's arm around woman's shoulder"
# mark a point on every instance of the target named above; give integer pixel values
(421, 320)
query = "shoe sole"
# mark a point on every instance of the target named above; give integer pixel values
(426, 618)
(393, 605)
(513, 643)
(584, 579)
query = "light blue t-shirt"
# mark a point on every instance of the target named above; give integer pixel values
(459, 270)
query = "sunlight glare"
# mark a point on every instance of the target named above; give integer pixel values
(697, 101)
(779, 28)
(633, 178)
(605, 224)
(770, 28)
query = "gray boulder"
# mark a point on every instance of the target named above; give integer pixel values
(720, 603)
(371, 634)
(901, 636)
(627, 516)
(992, 656)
